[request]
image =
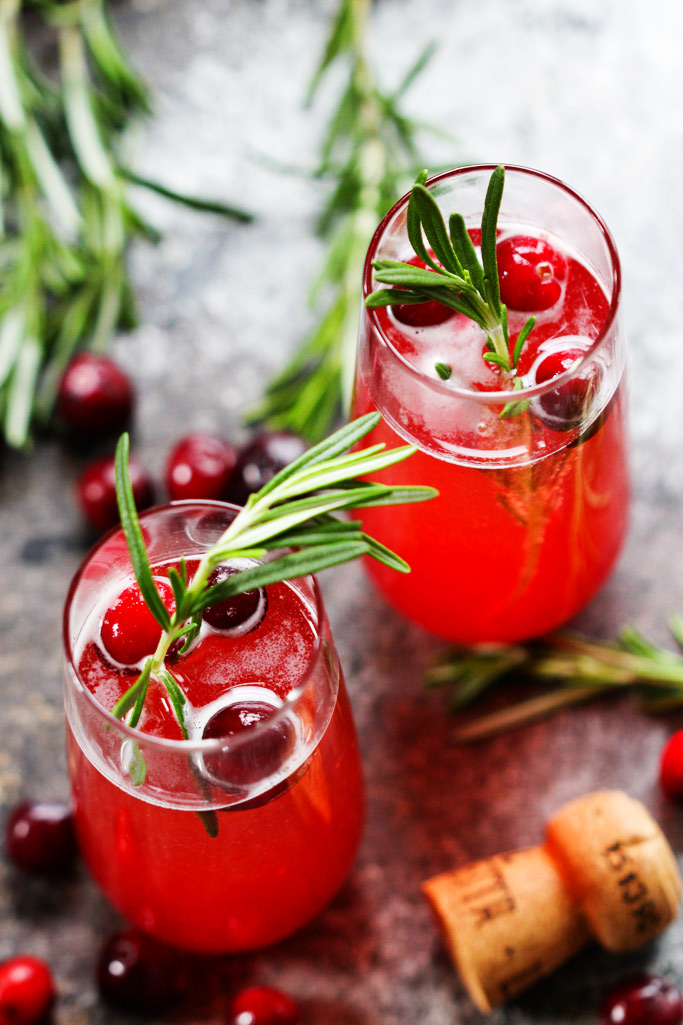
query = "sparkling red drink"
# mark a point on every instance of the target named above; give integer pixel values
(533, 508)
(240, 834)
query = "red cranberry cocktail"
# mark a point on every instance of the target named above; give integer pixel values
(533, 482)
(236, 836)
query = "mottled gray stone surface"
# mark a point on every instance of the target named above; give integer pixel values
(589, 90)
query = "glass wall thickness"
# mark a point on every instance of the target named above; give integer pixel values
(286, 835)
(530, 517)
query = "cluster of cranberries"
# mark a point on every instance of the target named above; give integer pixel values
(95, 402)
(134, 974)
(531, 274)
(141, 975)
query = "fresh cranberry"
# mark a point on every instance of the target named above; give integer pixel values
(136, 973)
(94, 395)
(254, 759)
(40, 838)
(199, 466)
(244, 610)
(27, 991)
(260, 460)
(129, 631)
(263, 1005)
(427, 314)
(530, 272)
(96, 490)
(671, 767)
(642, 1000)
(565, 406)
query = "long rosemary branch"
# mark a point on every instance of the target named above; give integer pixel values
(294, 510)
(580, 669)
(63, 234)
(369, 154)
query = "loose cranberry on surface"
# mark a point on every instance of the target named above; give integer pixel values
(671, 767)
(136, 973)
(530, 271)
(200, 466)
(260, 460)
(94, 395)
(129, 631)
(245, 610)
(263, 1005)
(255, 758)
(642, 1000)
(40, 838)
(26, 991)
(96, 491)
(565, 406)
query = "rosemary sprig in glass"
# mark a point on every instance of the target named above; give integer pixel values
(455, 277)
(295, 510)
(65, 216)
(368, 154)
(581, 669)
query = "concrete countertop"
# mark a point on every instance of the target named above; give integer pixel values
(588, 91)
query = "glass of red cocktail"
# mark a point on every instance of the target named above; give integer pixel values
(236, 836)
(533, 502)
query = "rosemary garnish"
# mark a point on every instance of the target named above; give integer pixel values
(455, 277)
(369, 154)
(66, 218)
(294, 510)
(581, 669)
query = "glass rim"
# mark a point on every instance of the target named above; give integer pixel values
(211, 744)
(494, 397)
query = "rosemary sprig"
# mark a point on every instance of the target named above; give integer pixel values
(66, 219)
(293, 510)
(454, 275)
(581, 669)
(369, 154)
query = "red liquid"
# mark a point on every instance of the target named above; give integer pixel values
(506, 552)
(279, 857)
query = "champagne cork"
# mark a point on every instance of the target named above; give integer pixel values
(606, 871)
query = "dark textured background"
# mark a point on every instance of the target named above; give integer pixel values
(589, 91)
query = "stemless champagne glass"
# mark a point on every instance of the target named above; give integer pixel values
(234, 837)
(533, 507)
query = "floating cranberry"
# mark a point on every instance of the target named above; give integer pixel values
(263, 1005)
(96, 490)
(671, 767)
(27, 991)
(255, 758)
(565, 407)
(260, 460)
(136, 973)
(241, 613)
(427, 314)
(129, 631)
(94, 395)
(200, 466)
(530, 271)
(642, 1000)
(40, 838)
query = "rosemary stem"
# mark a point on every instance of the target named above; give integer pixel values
(496, 336)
